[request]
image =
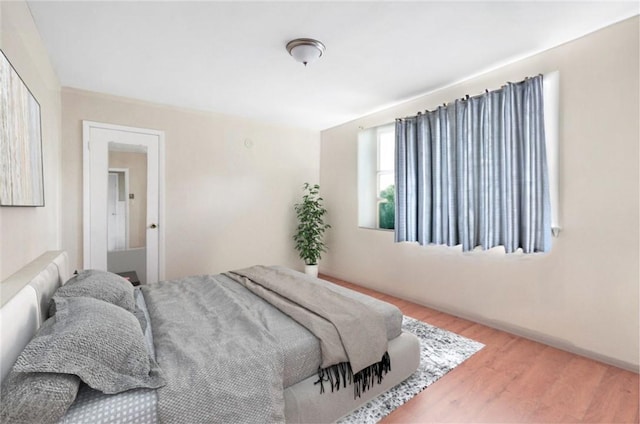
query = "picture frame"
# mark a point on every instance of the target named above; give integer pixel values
(21, 163)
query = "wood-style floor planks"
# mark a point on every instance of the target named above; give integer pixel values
(575, 387)
(608, 405)
(515, 380)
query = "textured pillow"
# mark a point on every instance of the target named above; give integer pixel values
(141, 306)
(95, 340)
(36, 397)
(101, 285)
(139, 313)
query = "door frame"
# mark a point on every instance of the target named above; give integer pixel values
(87, 126)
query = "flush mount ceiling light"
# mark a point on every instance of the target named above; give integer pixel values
(305, 50)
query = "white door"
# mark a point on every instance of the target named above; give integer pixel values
(100, 141)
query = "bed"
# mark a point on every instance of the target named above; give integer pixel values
(26, 296)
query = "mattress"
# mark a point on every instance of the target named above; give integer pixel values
(302, 358)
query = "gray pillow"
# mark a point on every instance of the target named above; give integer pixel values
(139, 313)
(99, 342)
(36, 397)
(101, 285)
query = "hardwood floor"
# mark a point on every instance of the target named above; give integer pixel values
(515, 380)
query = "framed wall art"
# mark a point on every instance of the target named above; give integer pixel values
(21, 172)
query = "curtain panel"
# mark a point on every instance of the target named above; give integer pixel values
(474, 172)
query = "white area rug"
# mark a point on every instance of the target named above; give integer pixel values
(440, 352)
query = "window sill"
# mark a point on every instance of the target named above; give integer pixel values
(375, 229)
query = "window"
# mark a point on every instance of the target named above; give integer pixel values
(376, 177)
(386, 178)
(379, 200)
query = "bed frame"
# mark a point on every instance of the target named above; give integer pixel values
(24, 300)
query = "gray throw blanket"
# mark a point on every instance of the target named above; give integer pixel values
(220, 363)
(353, 337)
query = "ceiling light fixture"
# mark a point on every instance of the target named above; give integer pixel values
(305, 50)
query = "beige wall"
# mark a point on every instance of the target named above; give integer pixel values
(583, 295)
(227, 205)
(27, 232)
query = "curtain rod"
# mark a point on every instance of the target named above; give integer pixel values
(466, 96)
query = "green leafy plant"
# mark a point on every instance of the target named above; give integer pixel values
(387, 210)
(311, 225)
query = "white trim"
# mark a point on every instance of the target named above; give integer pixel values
(551, 93)
(93, 124)
(86, 210)
(161, 206)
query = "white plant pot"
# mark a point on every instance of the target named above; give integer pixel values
(311, 270)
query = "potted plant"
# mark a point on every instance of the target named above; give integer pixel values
(311, 228)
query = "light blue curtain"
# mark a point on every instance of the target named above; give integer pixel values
(474, 172)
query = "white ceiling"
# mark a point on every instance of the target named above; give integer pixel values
(230, 57)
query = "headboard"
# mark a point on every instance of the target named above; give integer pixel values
(24, 303)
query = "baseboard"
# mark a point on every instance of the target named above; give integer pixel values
(516, 331)
(557, 343)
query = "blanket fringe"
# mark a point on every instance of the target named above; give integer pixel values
(341, 374)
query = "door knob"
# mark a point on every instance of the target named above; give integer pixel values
(152, 226)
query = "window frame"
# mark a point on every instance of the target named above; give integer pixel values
(380, 132)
